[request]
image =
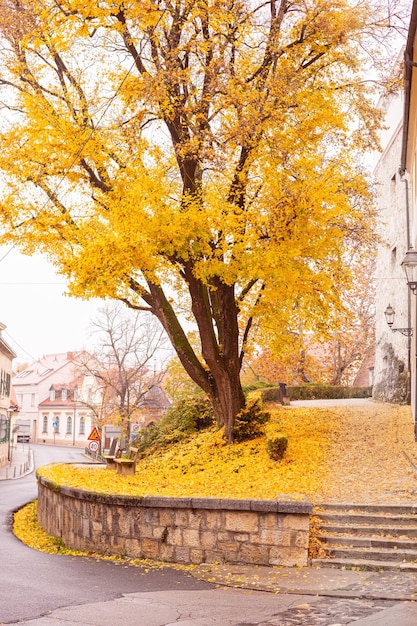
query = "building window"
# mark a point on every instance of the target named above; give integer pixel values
(32, 399)
(45, 424)
(64, 394)
(69, 424)
(24, 373)
(394, 256)
(4, 383)
(3, 428)
(52, 394)
(82, 425)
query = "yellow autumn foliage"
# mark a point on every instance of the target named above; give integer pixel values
(363, 453)
(194, 156)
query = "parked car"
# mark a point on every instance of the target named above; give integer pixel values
(23, 438)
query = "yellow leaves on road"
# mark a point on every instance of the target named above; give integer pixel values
(27, 529)
(352, 454)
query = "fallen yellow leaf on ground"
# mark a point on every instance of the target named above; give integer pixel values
(358, 454)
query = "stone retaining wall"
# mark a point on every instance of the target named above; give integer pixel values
(178, 530)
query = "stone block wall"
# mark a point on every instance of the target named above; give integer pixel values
(178, 530)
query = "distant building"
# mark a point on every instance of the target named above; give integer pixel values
(35, 385)
(151, 410)
(6, 401)
(59, 403)
(63, 418)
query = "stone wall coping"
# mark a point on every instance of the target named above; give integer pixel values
(282, 503)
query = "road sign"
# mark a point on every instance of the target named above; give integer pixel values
(93, 446)
(94, 435)
(55, 424)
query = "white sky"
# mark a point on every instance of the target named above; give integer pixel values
(39, 318)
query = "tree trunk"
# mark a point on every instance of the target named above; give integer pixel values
(228, 400)
(338, 363)
(216, 313)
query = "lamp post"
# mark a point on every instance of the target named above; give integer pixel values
(73, 425)
(409, 265)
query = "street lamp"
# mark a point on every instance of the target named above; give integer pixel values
(409, 265)
(390, 316)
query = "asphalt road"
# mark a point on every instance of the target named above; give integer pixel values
(38, 589)
(33, 583)
(42, 589)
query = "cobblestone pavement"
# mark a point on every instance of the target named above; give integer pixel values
(386, 585)
(329, 612)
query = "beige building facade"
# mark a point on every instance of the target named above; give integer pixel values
(48, 412)
(6, 405)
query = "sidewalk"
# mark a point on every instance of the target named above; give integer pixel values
(314, 581)
(20, 464)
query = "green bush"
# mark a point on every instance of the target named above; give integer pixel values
(315, 392)
(260, 385)
(191, 413)
(270, 394)
(276, 447)
(187, 416)
(250, 422)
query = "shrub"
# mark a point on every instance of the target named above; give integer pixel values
(312, 392)
(250, 422)
(276, 447)
(260, 385)
(270, 394)
(183, 418)
(191, 413)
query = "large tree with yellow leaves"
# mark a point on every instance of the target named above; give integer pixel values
(194, 158)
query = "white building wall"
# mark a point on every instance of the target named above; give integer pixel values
(392, 350)
(65, 433)
(32, 390)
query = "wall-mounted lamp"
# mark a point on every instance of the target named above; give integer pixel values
(409, 266)
(390, 316)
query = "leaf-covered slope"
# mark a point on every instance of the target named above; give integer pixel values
(356, 454)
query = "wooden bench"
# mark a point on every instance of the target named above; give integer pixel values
(127, 465)
(113, 454)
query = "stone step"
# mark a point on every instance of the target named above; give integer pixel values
(374, 530)
(363, 564)
(385, 509)
(365, 537)
(366, 542)
(365, 519)
(373, 554)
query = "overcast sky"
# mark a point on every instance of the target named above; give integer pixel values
(39, 318)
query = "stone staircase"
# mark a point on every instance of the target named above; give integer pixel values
(374, 537)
